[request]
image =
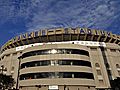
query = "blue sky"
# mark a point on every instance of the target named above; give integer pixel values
(20, 16)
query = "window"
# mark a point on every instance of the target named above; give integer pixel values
(56, 75)
(50, 31)
(56, 51)
(64, 62)
(58, 30)
(3, 57)
(66, 30)
(83, 75)
(14, 54)
(117, 66)
(67, 75)
(43, 32)
(93, 49)
(97, 65)
(74, 62)
(56, 62)
(7, 55)
(113, 50)
(101, 81)
(35, 63)
(12, 69)
(99, 72)
(88, 87)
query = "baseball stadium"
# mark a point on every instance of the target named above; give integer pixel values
(62, 59)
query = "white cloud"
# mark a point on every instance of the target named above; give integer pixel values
(74, 13)
(62, 13)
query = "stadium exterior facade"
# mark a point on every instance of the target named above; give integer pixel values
(62, 59)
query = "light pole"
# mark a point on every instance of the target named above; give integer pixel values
(19, 58)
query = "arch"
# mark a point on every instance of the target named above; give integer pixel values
(117, 66)
(97, 65)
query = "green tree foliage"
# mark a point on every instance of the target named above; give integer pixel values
(6, 82)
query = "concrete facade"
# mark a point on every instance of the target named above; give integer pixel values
(63, 66)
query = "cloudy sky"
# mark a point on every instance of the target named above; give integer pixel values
(20, 16)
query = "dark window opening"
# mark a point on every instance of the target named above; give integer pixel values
(59, 62)
(93, 49)
(117, 66)
(35, 63)
(56, 75)
(99, 72)
(56, 51)
(113, 50)
(97, 65)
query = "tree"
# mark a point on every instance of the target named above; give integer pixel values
(6, 82)
(116, 83)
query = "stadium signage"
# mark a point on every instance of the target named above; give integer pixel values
(53, 87)
(68, 31)
(95, 32)
(84, 43)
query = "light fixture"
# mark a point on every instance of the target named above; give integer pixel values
(53, 51)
